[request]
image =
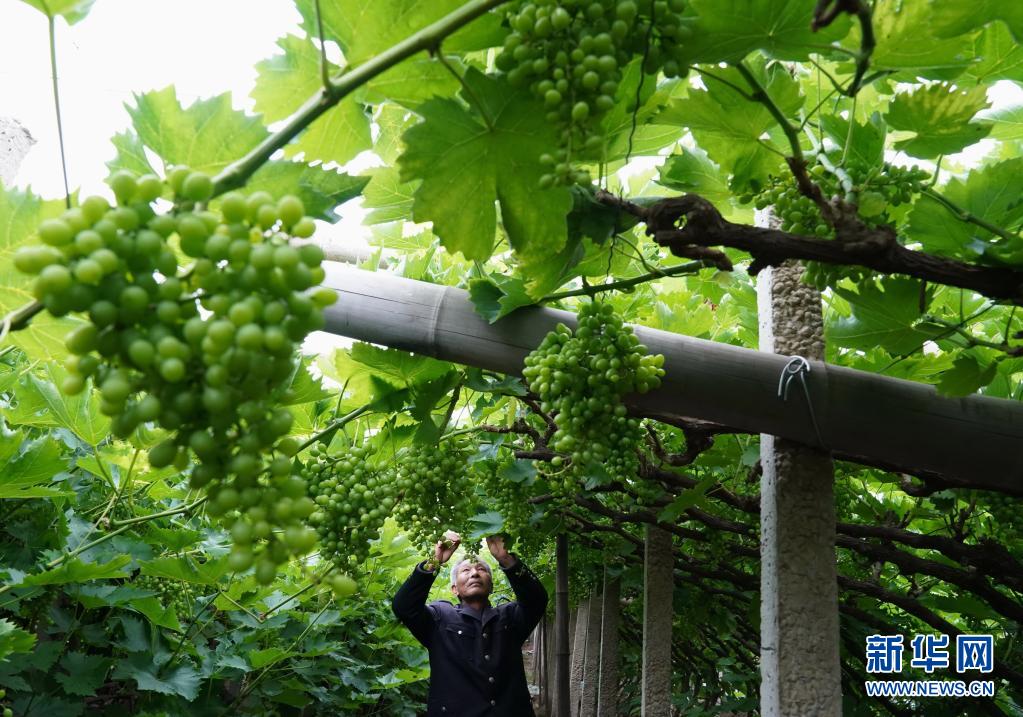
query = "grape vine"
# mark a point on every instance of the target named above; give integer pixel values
(874, 191)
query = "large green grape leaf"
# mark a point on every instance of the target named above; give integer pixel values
(966, 376)
(207, 135)
(70, 10)
(941, 116)
(954, 17)
(882, 314)
(731, 128)
(991, 193)
(284, 82)
(27, 470)
(365, 28)
(20, 214)
(83, 674)
(906, 41)
(691, 170)
(41, 403)
(466, 167)
(728, 30)
(388, 198)
(498, 295)
(861, 142)
(998, 57)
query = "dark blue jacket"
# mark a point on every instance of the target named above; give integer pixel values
(475, 659)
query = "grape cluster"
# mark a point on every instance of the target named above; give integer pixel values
(570, 53)
(7, 711)
(508, 498)
(436, 491)
(1005, 509)
(581, 378)
(871, 189)
(204, 350)
(353, 499)
(176, 594)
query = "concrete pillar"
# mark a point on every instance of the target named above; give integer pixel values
(799, 661)
(658, 584)
(581, 615)
(591, 657)
(611, 615)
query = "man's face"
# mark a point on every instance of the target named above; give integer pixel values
(472, 580)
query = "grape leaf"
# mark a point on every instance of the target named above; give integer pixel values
(998, 55)
(206, 136)
(498, 296)
(14, 639)
(182, 679)
(467, 166)
(41, 403)
(1008, 122)
(83, 674)
(27, 473)
(20, 214)
(185, 570)
(321, 190)
(941, 118)
(991, 193)
(284, 82)
(691, 170)
(906, 41)
(70, 10)
(397, 365)
(966, 376)
(728, 30)
(387, 196)
(882, 314)
(77, 571)
(861, 142)
(365, 28)
(730, 128)
(952, 17)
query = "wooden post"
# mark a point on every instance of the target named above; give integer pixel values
(800, 668)
(607, 692)
(562, 702)
(658, 585)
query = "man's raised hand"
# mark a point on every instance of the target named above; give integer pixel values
(500, 553)
(447, 547)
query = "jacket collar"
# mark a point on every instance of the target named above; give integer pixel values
(488, 614)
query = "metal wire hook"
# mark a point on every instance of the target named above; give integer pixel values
(799, 367)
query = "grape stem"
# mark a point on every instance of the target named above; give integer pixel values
(56, 103)
(591, 290)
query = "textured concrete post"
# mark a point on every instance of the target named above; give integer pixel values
(562, 703)
(15, 142)
(800, 670)
(658, 582)
(611, 615)
(578, 652)
(591, 657)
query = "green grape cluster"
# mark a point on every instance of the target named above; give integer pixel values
(873, 190)
(1005, 509)
(352, 500)
(436, 491)
(570, 54)
(507, 497)
(205, 349)
(582, 378)
(7, 711)
(176, 594)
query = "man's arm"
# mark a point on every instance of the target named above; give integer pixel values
(530, 596)
(409, 603)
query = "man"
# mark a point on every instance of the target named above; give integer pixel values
(475, 648)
